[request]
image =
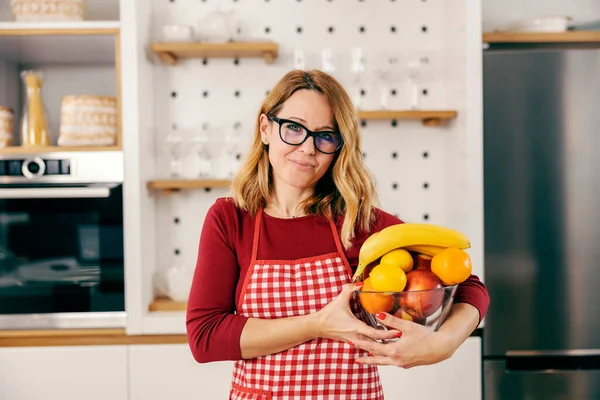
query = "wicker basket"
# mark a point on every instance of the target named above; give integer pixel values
(6, 126)
(47, 10)
(87, 120)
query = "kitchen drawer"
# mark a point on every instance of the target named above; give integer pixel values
(63, 373)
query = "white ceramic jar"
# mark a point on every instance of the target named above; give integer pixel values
(47, 10)
(88, 120)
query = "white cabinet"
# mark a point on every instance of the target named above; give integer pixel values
(458, 378)
(63, 373)
(158, 372)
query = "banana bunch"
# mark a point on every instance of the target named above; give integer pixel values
(415, 237)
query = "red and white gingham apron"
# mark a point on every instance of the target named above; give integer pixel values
(318, 369)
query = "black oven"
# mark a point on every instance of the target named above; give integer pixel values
(61, 240)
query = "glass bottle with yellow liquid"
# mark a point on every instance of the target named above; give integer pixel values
(34, 121)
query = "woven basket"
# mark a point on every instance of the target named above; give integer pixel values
(87, 120)
(6, 126)
(47, 10)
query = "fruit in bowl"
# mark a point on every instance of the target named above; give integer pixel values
(412, 271)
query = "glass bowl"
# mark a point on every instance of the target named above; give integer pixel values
(425, 307)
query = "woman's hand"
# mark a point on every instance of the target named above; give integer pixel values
(418, 345)
(336, 321)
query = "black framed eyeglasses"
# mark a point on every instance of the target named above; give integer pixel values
(294, 133)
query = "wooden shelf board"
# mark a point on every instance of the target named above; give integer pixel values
(54, 149)
(83, 337)
(185, 184)
(76, 28)
(542, 37)
(428, 117)
(171, 52)
(58, 43)
(167, 305)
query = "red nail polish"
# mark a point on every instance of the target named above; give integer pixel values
(380, 315)
(370, 354)
(358, 285)
(351, 343)
(398, 334)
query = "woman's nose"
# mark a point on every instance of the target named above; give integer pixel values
(308, 146)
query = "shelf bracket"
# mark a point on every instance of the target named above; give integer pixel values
(432, 121)
(168, 58)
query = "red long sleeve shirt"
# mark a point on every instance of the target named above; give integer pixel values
(224, 257)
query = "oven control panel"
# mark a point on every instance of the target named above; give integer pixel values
(34, 167)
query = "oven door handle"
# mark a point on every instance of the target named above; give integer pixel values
(55, 193)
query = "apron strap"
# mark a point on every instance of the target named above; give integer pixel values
(338, 245)
(257, 225)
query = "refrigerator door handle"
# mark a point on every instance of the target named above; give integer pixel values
(552, 361)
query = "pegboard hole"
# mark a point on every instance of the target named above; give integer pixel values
(176, 220)
(363, 123)
(238, 156)
(173, 94)
(424, 28)
(362, 29)
(172, 1)
(267, 30)
(363, 92)
(237, 93)
(393, 29)
(205, 93)
(425, 154)
(394, 186)
(425, 92)
(425, 185)
(395, 155)
(425, 217)
(394, 92)
(364, 154)
(267, 92)
(176, 251)
(236, 61)
(299, 29)
(394, 123)
(204, 61)
(207, 189)
(331, 29)
(174, 127)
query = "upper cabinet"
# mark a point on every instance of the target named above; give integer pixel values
(71, 51)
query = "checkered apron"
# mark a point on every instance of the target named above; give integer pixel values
(318, 369)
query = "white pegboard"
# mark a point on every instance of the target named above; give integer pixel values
(421, 172)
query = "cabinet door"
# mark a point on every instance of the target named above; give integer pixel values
(158, 372)
(63, 373)
(458, 378)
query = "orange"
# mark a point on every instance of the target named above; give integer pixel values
(375, 302)
(388, 278)
(452, 266)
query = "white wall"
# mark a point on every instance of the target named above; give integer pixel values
(496, 13)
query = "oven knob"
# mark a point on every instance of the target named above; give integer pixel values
(33, 167)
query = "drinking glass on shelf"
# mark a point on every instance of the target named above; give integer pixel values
(298, 59)
(202, 146)
(415, 68)
(231, 146)
(386, 65)
(175, 145)
(358, 76)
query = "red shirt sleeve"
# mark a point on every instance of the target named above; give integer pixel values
(213, 328)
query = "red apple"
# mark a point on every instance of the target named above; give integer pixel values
(423, 261)
(419, 301)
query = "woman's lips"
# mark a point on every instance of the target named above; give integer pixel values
(303, 166)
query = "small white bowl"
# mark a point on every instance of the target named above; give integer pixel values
(177, 33)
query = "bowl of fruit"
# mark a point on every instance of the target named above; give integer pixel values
(411, 271)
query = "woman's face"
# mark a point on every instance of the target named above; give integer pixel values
(299, 166)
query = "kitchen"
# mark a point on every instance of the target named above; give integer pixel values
(117, 209)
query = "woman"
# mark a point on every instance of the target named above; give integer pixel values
(271, 289)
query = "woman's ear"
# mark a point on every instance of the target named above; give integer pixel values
(264, 129)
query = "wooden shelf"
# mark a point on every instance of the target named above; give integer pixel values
(170, 186)
(542, 37)
(171, 52)
(429, 117)
(60, 42)
(54, 149)
(167, 305)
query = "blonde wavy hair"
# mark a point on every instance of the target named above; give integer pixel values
(346, 189)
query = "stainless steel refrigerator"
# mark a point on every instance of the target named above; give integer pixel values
(542, 223)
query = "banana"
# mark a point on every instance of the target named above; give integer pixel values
(407, 234)
(426, 249)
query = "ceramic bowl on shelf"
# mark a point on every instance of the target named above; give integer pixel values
(177, 33)
(47, 10)
(425, 307)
